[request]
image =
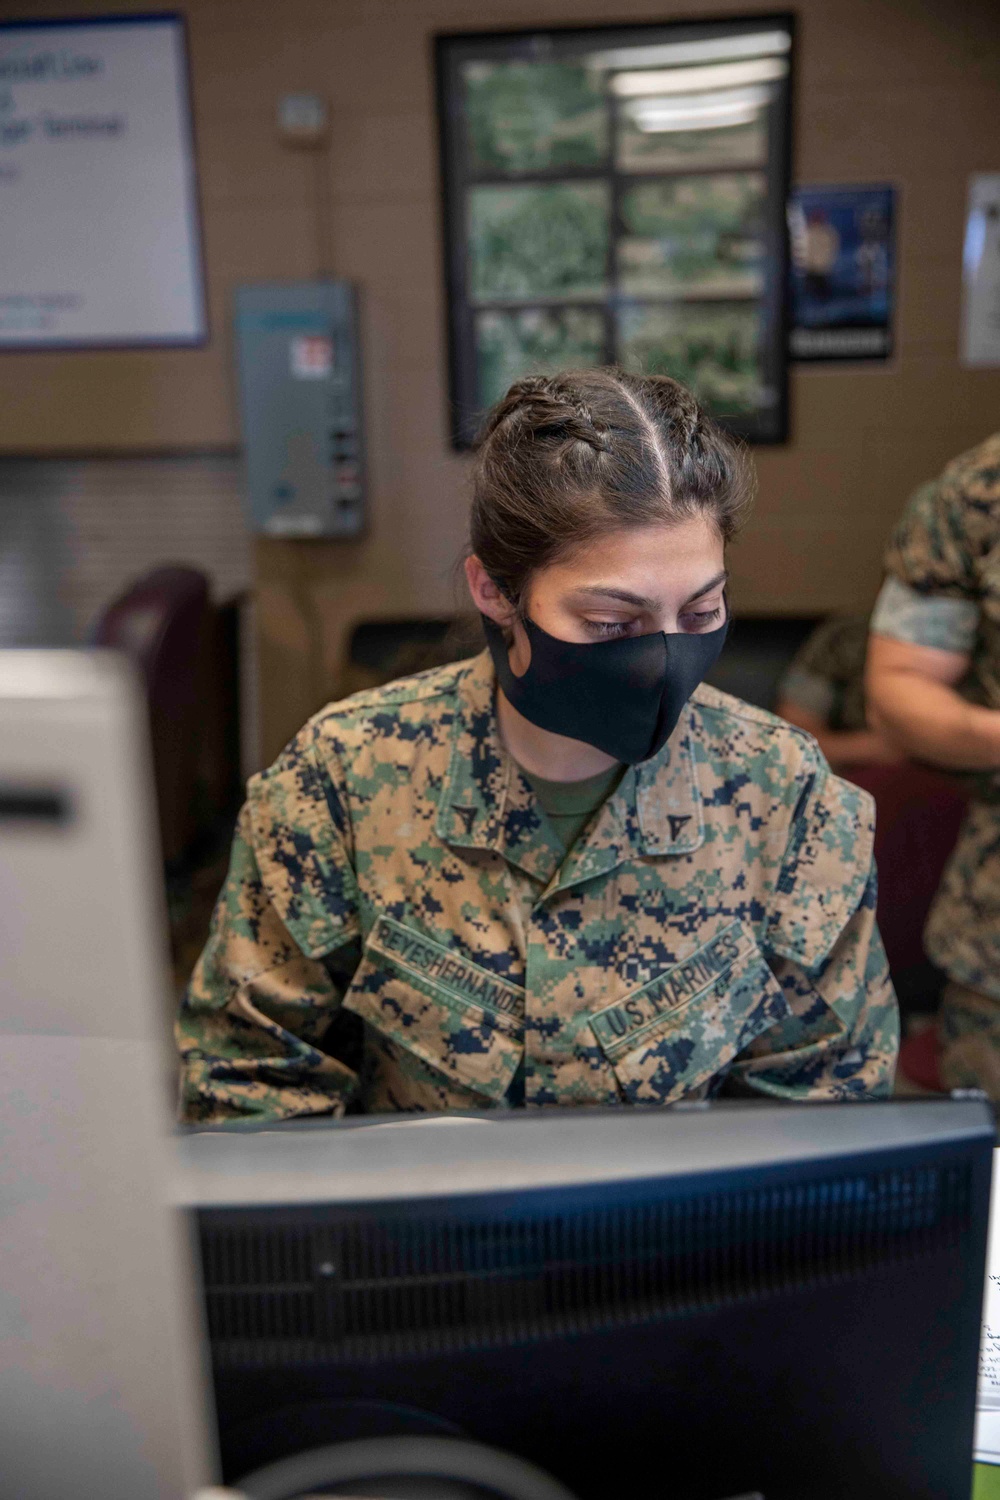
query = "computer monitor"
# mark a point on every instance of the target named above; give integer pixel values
(103, 1388)
(695, 1303)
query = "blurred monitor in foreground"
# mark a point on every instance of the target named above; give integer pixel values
(701, 1303)
(101, 1390)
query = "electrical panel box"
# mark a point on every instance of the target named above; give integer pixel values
(300, 408)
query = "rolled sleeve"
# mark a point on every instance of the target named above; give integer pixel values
(938, 620)
(932, 593)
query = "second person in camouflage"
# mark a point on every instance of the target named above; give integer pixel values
(934, 686)
(561, 873)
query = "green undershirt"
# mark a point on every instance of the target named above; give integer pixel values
(569, 805)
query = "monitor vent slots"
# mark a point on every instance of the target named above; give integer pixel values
(306, 1286)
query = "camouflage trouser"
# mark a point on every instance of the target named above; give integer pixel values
(970, 1040)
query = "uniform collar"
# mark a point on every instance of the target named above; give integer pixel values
(487, 804)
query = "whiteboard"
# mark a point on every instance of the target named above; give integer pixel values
(99, 233)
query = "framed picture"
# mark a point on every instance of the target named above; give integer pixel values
(616, 195)
(843, 272)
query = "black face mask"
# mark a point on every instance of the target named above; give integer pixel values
(623, 696)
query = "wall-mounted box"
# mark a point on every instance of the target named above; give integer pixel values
(299, 381)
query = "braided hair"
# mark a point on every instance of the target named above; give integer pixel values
(564, 459)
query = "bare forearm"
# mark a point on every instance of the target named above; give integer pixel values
(930, 721)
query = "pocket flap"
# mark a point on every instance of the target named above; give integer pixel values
(450, 1012)
(677, 1032)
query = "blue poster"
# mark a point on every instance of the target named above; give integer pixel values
(843, 272)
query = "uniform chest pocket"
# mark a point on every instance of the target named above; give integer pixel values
(677, 1032)
(448, 1011)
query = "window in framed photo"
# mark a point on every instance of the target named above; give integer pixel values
(617, 195)
(712, 347)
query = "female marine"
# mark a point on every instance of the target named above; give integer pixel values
(565, 872)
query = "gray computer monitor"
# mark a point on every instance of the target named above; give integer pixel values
(696, 1303)
(102, 1382)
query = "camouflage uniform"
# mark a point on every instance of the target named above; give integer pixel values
(715, 922)
(827, 674)
(943, 590)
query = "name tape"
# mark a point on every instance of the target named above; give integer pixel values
(628, 1018)
(432, 961)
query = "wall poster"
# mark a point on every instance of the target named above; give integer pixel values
(99, 233)
(843, 272)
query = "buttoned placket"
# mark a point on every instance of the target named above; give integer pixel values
(486, 803)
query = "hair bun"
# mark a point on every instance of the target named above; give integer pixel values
(548, 407)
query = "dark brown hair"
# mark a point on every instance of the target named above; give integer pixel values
(565, 459)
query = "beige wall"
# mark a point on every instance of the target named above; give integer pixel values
(899, 90)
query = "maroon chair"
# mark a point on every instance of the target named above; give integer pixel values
(918, 815)
(919, 812)
(164, 623)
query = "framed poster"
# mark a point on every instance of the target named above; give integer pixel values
(843, 272)
(617, 195)
(99, 229)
